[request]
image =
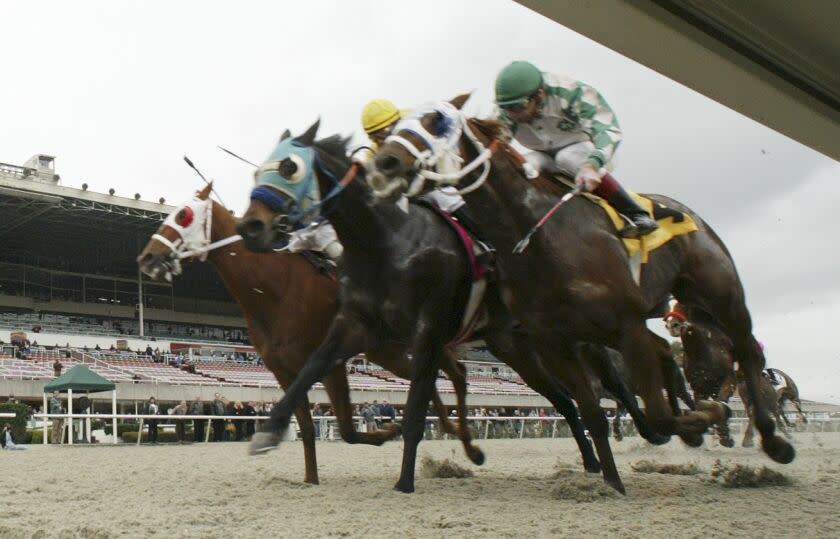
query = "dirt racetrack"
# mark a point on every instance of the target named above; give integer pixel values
(527, 488)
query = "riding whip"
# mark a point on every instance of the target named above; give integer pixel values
(237, 156)
(208, 182)
(523, 243)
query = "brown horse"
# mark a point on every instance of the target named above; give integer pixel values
(708, 359)
(788, 392)
(576, 274)
(288, 306)
(769, 398)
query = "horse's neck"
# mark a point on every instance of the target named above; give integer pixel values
(503, 199)
(240, 268)
(357, 223)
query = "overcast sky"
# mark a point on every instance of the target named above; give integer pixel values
(120, 91)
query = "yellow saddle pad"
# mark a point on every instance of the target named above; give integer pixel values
(671, 223)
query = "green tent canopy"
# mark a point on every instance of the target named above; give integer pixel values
(79, 378)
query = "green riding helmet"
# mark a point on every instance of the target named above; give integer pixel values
(516, 83)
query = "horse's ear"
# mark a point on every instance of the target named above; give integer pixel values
(204, 193)
(286, 134)
(459, 101)
(308, 138)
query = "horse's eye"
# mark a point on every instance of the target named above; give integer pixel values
(288, 168)
(184, 217)
(440, 124)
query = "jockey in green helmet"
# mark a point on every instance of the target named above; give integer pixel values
(571, 130)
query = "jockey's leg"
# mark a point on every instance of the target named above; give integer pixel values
(450, 200)
(568, 160)
(641, 222)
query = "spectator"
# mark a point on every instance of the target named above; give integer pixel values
(57, 423)
(369, 416)
(152, 408)
(7, 439)
(387, 411)
(251, 411)
(180, 430)
(197, 408)
(57, 366)
(218, 424)
(238, 426)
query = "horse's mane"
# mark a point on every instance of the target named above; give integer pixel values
(334, 146)
(496, 130)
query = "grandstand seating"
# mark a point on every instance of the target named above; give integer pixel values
(127, 367)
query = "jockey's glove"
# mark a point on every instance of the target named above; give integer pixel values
(588, 177)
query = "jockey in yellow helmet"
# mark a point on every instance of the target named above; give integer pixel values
(378, 119)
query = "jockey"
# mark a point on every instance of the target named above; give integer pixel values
(571, 130)
(379, 117)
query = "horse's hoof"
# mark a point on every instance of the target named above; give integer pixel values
(476, 455)
(657, 439)
(592, 467)
(747, 443)
(779, 449)
(263, 442)
(692, 439)
(404, 488)
(618, 436)
(616, 484)
(727, 442)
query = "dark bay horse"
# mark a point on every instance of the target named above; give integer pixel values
(288, 305)
(709, 364)
(404, 279)
(574, 284)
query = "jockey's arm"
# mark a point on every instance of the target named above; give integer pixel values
(596, 119)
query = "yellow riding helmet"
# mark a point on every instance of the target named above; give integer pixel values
(378, 114)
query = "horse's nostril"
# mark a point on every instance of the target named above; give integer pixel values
(144, 259)
(252, 228)
(388, 164)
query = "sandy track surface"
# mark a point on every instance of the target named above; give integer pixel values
(527, 488)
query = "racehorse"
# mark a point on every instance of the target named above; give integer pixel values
(788, 392)
(288, 305)
(573, 283)
(708, 358)
(405, 279)
(709, 366)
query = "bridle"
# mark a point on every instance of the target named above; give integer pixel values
(440, 161)
(193, 237)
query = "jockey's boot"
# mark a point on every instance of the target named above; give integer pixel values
(487, 254)
(640, 223)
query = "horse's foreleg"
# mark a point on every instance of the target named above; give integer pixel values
(596, 422)
(336, 348)
(307, 430)
(751, 361)
(427, 357)
(457, 375)
(514, 349)
(724, 394)
(307, 434)
(339, 392)
(615, 384)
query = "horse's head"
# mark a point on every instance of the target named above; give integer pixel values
(676, 324)
(285, 187)
(425, 145)
(184, 230)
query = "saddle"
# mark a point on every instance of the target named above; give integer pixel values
(324, 264)
(672, 222)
